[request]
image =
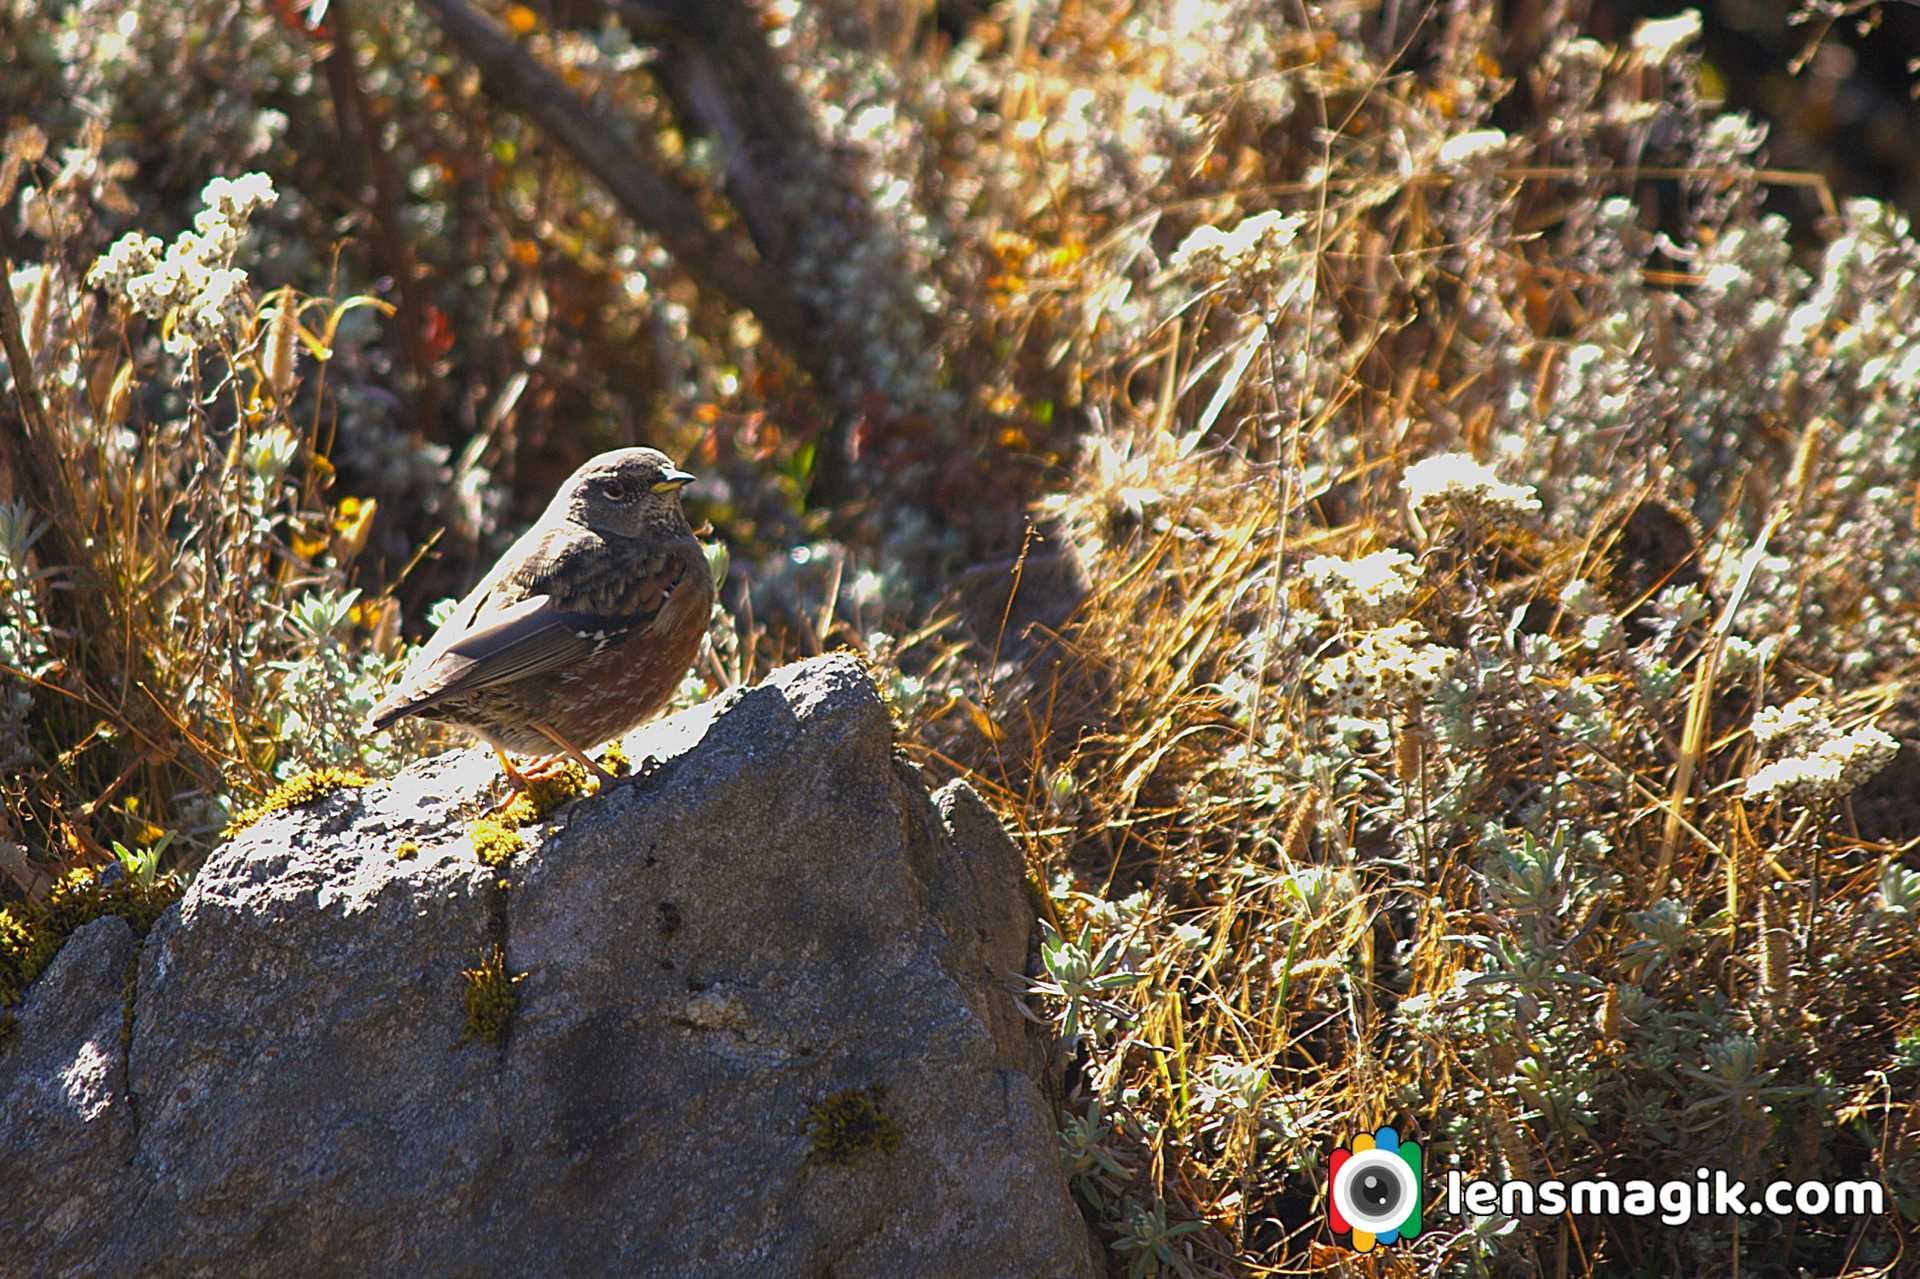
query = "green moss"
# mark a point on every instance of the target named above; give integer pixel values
(495, 843)
(31, 935)
(9, 1027)
(296, 791)
(406, 852)
(25, 947)
(490, 999)
(849, 1124)
(79, 897)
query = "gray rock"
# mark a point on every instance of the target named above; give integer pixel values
(774, 918)
(67, 1123)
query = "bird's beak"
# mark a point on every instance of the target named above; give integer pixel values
(675, 480)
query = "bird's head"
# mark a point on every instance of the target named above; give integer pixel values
(625, 493)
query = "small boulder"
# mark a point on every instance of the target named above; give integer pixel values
(753, 1018)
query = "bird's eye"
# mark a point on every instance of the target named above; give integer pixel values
(614, 490)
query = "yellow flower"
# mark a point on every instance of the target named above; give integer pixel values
(352, 523)
(1066, 255)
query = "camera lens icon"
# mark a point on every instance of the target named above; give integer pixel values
(1374, 1190)
(1373, 1194)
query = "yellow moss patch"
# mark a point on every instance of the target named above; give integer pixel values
(296, 791)
(614, 760)
(406, 852)
(490, 999)
(850, 1123)
(495, 843)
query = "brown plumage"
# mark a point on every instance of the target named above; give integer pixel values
(585, 626)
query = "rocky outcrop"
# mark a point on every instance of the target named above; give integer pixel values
(764, 1029)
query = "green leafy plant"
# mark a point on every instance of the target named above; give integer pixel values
(1079, 977)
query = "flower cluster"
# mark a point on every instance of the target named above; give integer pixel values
(1256, 245)
(1393, 664)
(23, 630)
(234, 200)
(1825, 763)
(1799, 720)
(133, 254)
(193, 288)
(1455, 484)
(1374, 588)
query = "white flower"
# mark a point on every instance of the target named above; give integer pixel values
(131, 255)
(1799, 718)
(235, 199)
(1256, 242)
(1392, 664)
(1800, 777)
(1373, 588)
(162, 288)
(195, 287)
(224, 299)
(1836, 768)
(1663, 37)
(1455, 482)
(212, 311)
(1465, 148)
(217, 238)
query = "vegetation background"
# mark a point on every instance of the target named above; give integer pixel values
(1407, 508)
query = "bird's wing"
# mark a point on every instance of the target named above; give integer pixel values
(568, 604)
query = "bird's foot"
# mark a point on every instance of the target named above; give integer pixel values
(546, 767)
(540, 788)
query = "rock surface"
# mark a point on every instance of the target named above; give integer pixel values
(773, 924)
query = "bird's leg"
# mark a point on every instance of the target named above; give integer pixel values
(606, 778)
(518, 784)
(515, 778)
(519, 779)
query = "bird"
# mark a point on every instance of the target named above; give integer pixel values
(581, 631)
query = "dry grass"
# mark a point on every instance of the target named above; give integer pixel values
(188, 635)
(1548, 950)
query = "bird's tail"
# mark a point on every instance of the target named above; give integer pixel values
(390, 710)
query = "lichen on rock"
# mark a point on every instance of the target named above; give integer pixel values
(851, 1123)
